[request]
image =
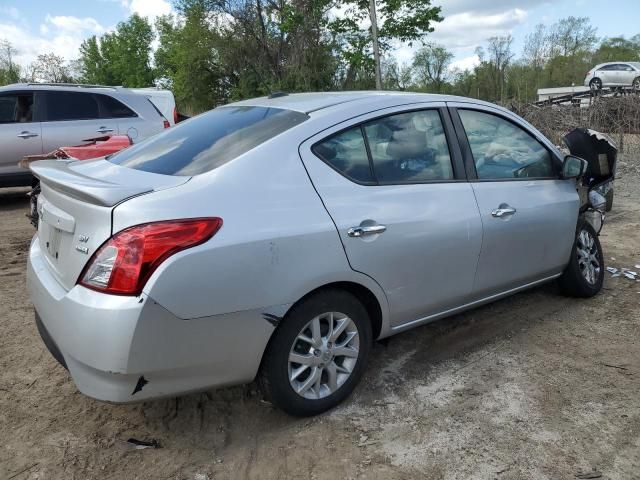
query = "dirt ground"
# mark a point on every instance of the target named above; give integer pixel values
(536, 386)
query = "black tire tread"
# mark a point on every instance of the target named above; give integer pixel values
(282, 396)
(572, 283)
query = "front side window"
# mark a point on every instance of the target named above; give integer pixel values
(409, 148)
(16, 108)
(208, 141)
(61, 106)
(503, 150)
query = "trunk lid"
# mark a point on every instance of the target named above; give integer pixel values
(75, 208)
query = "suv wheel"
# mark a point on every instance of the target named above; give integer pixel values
(318, 354)
(584, 275)
(595, 84)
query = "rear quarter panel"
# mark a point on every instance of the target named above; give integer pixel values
(277, 242)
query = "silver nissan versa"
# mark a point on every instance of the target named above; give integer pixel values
(278, 237)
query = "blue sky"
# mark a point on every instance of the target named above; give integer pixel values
(59, 26)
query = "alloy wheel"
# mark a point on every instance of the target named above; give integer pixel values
(588, 257)
(323, 355)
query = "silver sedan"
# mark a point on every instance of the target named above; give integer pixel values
(279, 237)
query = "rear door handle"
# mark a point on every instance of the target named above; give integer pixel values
(26, 134)
(104, 130)
(503, 210)
(363, 231)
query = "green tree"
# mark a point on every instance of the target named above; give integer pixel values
(431, 67)
(189, 59)
(618, 49)
(398, 20)
(9, 69)
(122, 57)
(50, 67)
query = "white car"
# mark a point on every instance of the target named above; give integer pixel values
(614, 74)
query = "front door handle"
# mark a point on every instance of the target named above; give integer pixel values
(503, 210)
(104, 130)
(363, 231)
(26, 134)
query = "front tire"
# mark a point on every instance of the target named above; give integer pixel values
(584, 274)
(636, 84)
(318, 354)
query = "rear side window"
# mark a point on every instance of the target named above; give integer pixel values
(409, 148)
(208, 141)
(61, 106)
(112, 108)
(347, 153)
(16, 108)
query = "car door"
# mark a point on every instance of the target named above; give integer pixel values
(627, 75)
(71, 118)
(20, 133)
(528, 213)
(607, 74)
(394, 184)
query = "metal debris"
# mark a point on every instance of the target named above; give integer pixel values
(589, 475)
(618, 272)
(136, 444)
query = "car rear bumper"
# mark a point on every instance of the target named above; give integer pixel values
(126, 349)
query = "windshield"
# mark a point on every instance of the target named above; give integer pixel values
(208, 141)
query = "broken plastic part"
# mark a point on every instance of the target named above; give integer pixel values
(141, 383)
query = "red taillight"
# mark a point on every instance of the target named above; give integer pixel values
(166, 123)
(125, 262)
(175, 115)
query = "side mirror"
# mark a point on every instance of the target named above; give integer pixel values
(573, 167)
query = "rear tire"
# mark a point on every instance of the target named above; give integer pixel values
(330, 333)
(595, 84)
(584, 274)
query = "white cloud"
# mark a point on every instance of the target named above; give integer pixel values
(74, 24)
(466, 63)
(148, 8)
(464, 31)
(58, 34)
(452, 7)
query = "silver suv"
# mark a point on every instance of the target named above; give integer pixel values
(38, 118)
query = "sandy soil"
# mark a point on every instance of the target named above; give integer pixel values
(537, 386)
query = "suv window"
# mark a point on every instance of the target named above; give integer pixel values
(16, 108)
(112, 108)
(503, 150)
(70, 106)
(208, 141)
(346, 152)
(409, 148)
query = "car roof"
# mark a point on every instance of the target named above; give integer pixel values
(68, 87)
(311, 102)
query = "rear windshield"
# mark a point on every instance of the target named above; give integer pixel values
(208, 141)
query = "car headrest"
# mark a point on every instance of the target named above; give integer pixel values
(407, 144)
